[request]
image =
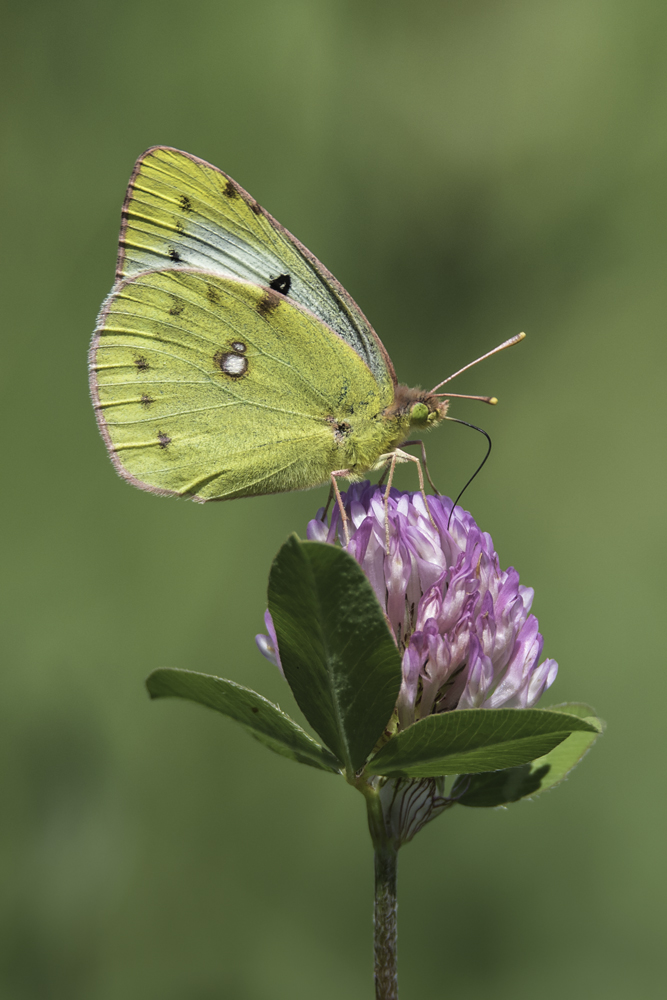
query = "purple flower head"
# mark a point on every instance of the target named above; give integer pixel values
(461, 623)
(268, 644)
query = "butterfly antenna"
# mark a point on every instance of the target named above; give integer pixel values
(501, 347)
(479, 467)
(458, 395)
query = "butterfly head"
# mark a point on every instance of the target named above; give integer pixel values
(425, 414)
(418, 409)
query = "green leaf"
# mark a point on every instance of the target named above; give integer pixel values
(335, 648)
(263, 720)
(578, 708)
(475, 739)
(502, 787)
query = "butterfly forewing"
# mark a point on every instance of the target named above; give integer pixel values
(214, 387)
(181, 211)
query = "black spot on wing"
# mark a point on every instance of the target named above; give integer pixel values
(255, 207)
(281, 284)
(141, 363)
(175, 255)
(186, 204)
(230, 190)
(146, 400)
(163, 440)
(268, 303)
(211, 294)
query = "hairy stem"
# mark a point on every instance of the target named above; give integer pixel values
(386, 858)
(386, 977)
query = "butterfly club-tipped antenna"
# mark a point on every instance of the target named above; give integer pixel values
(484, 399)
(496, 350)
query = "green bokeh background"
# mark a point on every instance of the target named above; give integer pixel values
(468, 169)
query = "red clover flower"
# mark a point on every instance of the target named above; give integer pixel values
(462, 625)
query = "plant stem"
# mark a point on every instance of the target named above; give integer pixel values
(386, 859)
(386, 976)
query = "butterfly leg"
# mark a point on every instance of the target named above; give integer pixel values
(390, 478)
(428, 474)
(329, 499)
(341, 473)
(390, 460)
(403, 456)
(382, 477)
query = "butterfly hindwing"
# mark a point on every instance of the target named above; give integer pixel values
(214, 387)
(180, 211)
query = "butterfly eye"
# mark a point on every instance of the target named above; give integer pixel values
(419, 413)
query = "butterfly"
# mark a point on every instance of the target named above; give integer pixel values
(227, 361)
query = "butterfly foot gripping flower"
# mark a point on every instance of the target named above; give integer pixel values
(418, 664)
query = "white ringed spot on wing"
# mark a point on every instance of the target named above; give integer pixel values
(231, 364)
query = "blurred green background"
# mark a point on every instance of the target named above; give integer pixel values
(468, 169)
